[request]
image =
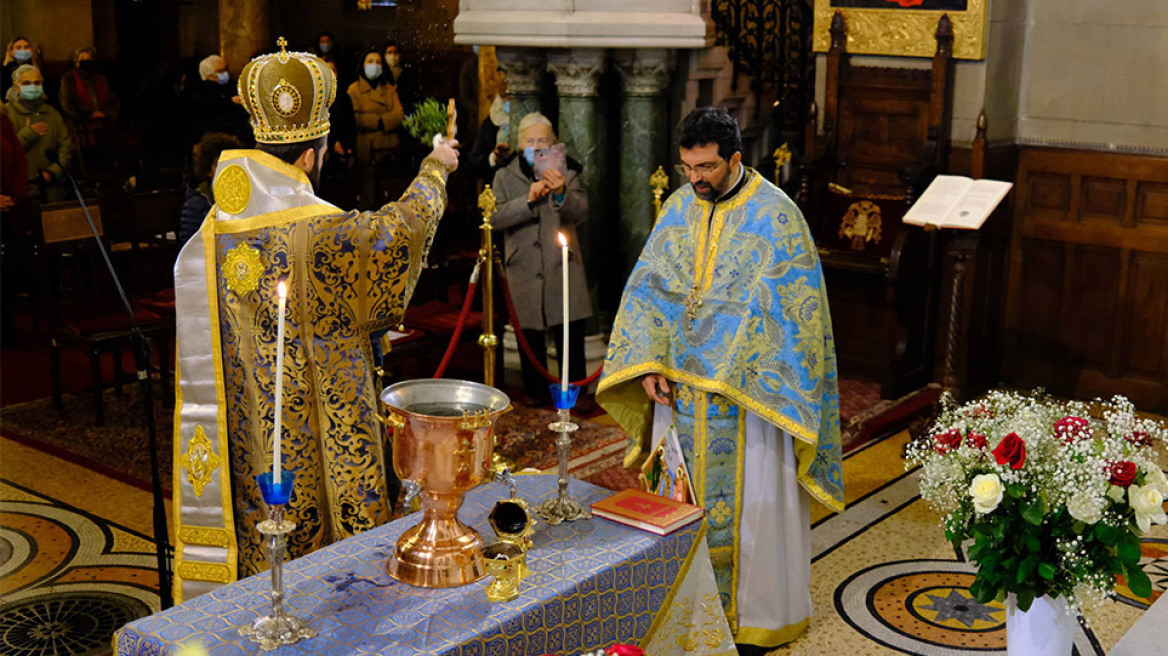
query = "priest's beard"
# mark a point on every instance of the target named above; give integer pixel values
(711, 190)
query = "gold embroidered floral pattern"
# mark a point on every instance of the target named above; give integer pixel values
(232, 189)
(200, 461)
(721, 512)
(242, 269)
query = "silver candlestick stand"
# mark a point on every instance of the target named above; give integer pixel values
(563, 508)
(278, 628)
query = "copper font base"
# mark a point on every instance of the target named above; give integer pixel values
(438, 553)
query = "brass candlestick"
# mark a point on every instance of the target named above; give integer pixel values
(563, 508)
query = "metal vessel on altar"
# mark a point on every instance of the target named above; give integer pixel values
(443, 440)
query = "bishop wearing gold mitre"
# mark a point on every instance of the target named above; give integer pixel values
(347, 274)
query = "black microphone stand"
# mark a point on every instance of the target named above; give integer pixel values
(141, 344)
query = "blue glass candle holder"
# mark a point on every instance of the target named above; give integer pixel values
(564, 400)
(563, 508)
(278, 628)
(276, 495)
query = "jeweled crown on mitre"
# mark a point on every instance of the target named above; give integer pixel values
(288, 95)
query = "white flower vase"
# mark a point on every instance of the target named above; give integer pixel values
(1047, 629)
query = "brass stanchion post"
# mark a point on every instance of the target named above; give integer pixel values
(488, 340)
(659, 181)
(782, 156)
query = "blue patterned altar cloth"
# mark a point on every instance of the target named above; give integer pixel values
(590, 584)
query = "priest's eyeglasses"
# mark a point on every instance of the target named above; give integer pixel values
(701, 169)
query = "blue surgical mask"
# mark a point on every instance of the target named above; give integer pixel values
(22, 56)
(31, 91)
(507, 107)
(529, 155)
(222, 77)
(372, 71)
(326, 47)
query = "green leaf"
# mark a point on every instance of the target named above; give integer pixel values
(1032, 512)
(1025, 598)
(1108, 534)
(999, 530)
(1026, 569)
(1033, 544)
(1046, 571)
(983, 593)
(1138, 581)
(1128, 550)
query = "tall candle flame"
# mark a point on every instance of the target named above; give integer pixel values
(563, 239)
(282, 289)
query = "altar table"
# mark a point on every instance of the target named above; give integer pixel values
(590, 584)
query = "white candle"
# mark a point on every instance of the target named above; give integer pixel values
(564, 355)
(282, 291)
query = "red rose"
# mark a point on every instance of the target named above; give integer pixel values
(975, 440)
(1011, 451)
(1122, 472)
(1072, 429)
(625, 650)
(947, 441)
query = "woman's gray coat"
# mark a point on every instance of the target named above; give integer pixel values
(531, 251)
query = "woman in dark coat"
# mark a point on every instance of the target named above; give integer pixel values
(200, 198)
(531, 213)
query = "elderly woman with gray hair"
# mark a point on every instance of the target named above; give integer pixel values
(532, 210)
(40, 128)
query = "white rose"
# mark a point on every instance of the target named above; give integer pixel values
(1157, 479)
(1086, 507)
(1115, 492)
(986, 490)
(1148, 503)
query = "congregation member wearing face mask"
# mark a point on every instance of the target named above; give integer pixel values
(19, 53)
(377, 112)
(213, 103)
(402, 75)
(85, 94)
(39, 127)
(532, 210)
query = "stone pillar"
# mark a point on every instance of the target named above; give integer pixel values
(645, 73)
(244, 30)
(524, 68)
(577, 74)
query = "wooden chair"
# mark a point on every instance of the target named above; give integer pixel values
(85, 309)
(883, 141)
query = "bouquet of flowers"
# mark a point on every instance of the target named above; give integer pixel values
(1054, 495)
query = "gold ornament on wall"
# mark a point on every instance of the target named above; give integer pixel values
(889, 27)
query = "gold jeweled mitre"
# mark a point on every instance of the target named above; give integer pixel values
(288, 95)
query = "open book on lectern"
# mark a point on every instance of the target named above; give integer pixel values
(955, 201)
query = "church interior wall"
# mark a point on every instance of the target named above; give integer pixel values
(59, 27)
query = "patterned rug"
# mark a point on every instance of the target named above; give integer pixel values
(120, 449)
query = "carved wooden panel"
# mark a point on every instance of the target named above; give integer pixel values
(1152, 203)
(1087, 299)
(1104, 199)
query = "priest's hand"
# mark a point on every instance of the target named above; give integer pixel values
(446, 153)
(657, 387)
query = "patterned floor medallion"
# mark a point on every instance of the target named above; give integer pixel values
(68, 579)
(77, 623)
(924, 607)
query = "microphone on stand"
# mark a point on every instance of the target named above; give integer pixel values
(142, 362)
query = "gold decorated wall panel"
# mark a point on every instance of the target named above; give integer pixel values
(891, 27)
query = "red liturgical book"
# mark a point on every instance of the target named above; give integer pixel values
(646, 511)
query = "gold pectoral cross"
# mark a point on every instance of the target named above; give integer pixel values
(692, 303)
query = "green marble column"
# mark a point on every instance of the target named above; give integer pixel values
(524, 69)
(577, 74)
(646, 76)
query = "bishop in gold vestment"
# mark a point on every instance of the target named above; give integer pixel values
(348, 273)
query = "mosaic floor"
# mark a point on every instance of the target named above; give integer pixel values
(76, 561)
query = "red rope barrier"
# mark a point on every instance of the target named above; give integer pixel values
(470, 292)
(526, 348)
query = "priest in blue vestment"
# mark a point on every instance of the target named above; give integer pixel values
(724, 333)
